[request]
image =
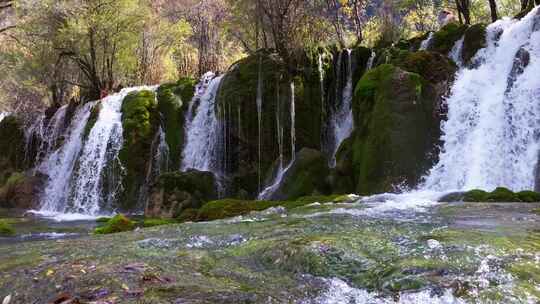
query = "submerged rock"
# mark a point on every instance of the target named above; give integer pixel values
(177, 191)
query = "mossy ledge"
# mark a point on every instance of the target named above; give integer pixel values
(6, 229)
(499, 195)
(226, 208)
(118, 223)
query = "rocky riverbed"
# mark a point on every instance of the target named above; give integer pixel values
(365, 252)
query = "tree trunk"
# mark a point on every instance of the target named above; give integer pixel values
(493, 9)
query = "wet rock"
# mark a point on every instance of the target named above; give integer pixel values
(173, 100)
(396, 131)
(521, 61)
(21, 191)
(306, 176)
(12, 143)
(474, 39)
(139, 122)
(176, 191)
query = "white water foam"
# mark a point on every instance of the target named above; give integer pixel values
(426, 43)
(491, 137)
(339, 292)
(342, 119)
(76, 171)
(202, 128)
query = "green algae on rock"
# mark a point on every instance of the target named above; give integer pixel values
(139, 121)
(6, 229)
(499, 195)
(396, 130)
(118, 223)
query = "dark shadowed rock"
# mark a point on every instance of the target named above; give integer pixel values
(176, 191)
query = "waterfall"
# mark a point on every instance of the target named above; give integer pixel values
(491, 137)
(84, 177)
(371, 60)
(202, 128)
(267, 192)
(341, 119)
(45, 134)
(426, 43)
(321, 81)
(158, 164)
(455, 53)
(3, 115)
(259, 119)
(59, 165)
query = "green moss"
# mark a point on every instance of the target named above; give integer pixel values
(231, 207)
(528, 196)
(6, 229)
(92, 119)
(446, 37)
(102, 219)
(12, 143)
(391, 108)
(475, 195)
(118, 223)
(139, 121)
(151, 222)
(432, 66)
(474, 40)
(501, 195)
(536, 211)
(172, 101)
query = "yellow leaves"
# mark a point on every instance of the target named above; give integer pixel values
(49, 273)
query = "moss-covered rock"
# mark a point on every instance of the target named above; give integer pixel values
(176, 191)
(92, 119)
(173, 99)
(21, 191)
(306, 176)
(12, 147)
(152, 222)
(139, 121)
(444, 39)
(474, 40)
(397, 130)
(499, 195)
(6, 229)
(118, 223)
(225, 208)
(432, 66)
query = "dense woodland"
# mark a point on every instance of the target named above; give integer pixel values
(52, 52)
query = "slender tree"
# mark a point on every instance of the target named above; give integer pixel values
(493, 10)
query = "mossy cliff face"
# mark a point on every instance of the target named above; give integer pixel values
(139, 121)
(176, 191)
(12, 147)
(173, 99)
(396, 130)
(237, 107)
